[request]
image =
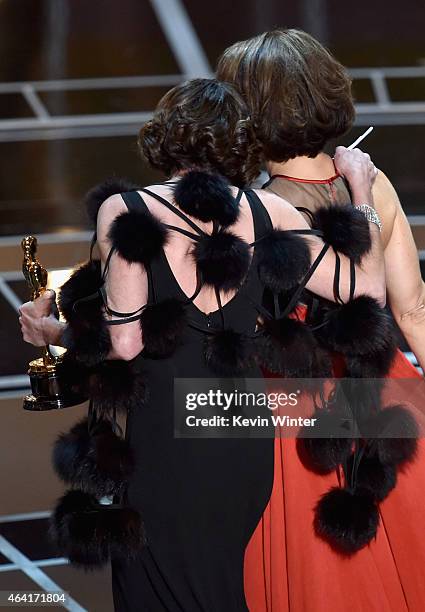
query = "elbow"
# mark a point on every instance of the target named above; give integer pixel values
(126, 347)
(410, 312)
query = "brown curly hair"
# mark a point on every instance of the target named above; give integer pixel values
(298, 93)
(203, 124)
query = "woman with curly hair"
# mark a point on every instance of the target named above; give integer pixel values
(300, 98)
(176, 294)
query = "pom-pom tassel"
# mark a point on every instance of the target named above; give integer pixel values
(283, 260)
(138, 237)
(345, 229)
(117, 386)
(288, 347)
(101, 192)
(96, 461)
(394, 432)
(348, 520)
(206, 197)
(228, 353)
(87, 335)
(162, 325)
(222, 259)
(89, 533)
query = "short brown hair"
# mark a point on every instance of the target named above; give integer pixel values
(202, 124)
(298, 93)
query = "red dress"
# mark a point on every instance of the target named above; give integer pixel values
(288, 568)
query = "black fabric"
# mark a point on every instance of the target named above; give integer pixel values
(200, 498)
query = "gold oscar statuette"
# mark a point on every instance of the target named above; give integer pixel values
(48, 384)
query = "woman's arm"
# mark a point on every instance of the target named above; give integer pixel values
(370, 276)
(125, 287)
(405, 287)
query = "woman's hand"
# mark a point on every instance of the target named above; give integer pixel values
(38, 323)
(359, 171)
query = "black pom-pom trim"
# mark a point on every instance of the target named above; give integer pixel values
(359, 327)
(117, 386)
(223, 260)
(345, 228)
(87, 336)
(206, 197)
(347, 520)
(97, 462)
(288, 347)
(283, 260)
(324, 453)
(228, 353)
(101, 192)
(372, 365)
(73, 377)
(394, 431)
(138, 237)
(83, 282)
(89, 533)
(163, 324)
(88, 344)
(376, 478)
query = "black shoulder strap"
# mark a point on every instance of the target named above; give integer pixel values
(134, 201)
(263, 223)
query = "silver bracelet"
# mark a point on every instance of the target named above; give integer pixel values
(370, 213)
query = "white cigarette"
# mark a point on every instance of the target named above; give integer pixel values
(360, 138)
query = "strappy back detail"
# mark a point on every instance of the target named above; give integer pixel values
(261, 224)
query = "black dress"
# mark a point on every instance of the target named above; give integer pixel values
(200, 499)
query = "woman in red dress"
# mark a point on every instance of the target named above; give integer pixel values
(300, 98)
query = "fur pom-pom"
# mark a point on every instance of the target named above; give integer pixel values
(137, 236)
(394, 431)
(359, 327)
(89, 343)
(163, 324)
(347, 520)
(89, 533)
(223, 260)
(375, 477)
(97, 462)
(228, 353)
(101, 192)
(117, 386)
(206, 197)
(328, 449)
(72, 378)
(283, 260)
(345, 228)
(83, 282)
(288, 347)
(87, 335)
(372, 365)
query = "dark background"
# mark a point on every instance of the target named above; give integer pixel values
(41, 182)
